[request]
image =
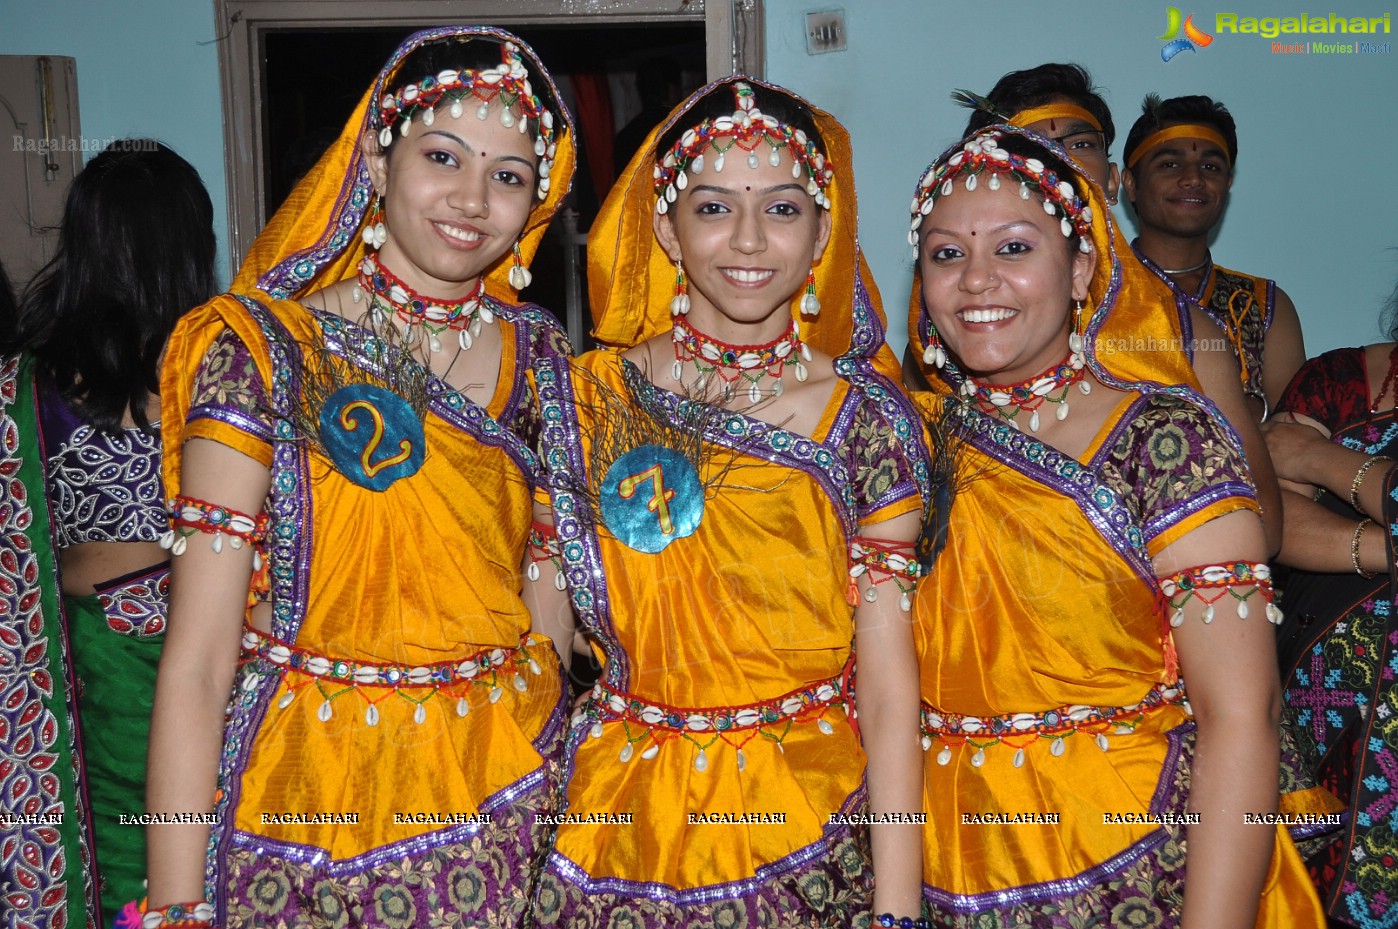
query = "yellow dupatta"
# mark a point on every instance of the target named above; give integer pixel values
(631, 279)
(423, 573)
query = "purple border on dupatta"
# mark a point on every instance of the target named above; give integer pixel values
(748, 436)
(1166, 797)
(291, 537)
(577, 536)
(566, 868)
(445, 401)
(1074, 480)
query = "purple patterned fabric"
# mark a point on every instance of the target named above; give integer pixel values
(481, 880)
(103, 487)
(827, 884)
(466, 876)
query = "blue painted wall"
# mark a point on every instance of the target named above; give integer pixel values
(141, 72)
(1313, 205)
(1315, 200)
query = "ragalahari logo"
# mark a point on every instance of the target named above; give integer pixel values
(1194, 38)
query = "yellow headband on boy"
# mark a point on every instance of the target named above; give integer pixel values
(1181, 131)
(1035, 114)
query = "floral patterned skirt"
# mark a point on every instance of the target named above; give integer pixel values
(832, 889)
(481, 881)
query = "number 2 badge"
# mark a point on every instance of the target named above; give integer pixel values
(372, 435)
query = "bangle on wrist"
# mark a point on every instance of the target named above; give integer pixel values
(196, 915)
(1364, 523)
(1359, 480)
(889, 921)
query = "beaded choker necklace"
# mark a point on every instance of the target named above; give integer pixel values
(1009, 402)
(388, 294)
(734, 363)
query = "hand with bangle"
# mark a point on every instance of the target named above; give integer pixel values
(197, 915)
(1358, 481)
(1304, 454)
(889, 921)
(1364, 523)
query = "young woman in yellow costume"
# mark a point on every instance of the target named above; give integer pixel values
(348, 449)
(736, 491)
(1091, 559)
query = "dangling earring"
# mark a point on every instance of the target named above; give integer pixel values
(1076, 358)
(520, 277)
(934, 353)
(679, 305)
(810, 303)
(375, 232)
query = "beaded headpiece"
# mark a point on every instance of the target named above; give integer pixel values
(509, 82)
(747, 128)
(982, 154)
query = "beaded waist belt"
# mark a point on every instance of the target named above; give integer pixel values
(704, 726)
(1020, 730)
(490, 668)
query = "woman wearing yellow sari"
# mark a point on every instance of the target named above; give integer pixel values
(348, 442)
(1091, 558)
(736, 490)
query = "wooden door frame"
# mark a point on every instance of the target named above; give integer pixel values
(733, 29)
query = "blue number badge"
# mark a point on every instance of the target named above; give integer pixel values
(372, 435)
(652, 496)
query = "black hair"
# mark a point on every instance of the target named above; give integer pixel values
(1021, 90)
(473, 53)
(719, 102)
(135, 252)
(8, 306)
(1156, 114)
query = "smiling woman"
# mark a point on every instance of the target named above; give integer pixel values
(350, 445)
(736, 490)
(1092, 561)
